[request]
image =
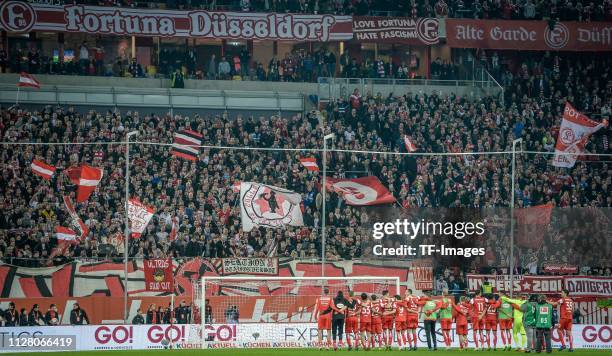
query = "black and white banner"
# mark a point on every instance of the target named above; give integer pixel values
(269, 206)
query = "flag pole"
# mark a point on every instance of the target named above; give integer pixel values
(511, 264)
(324, 188)
(126, 237)
(17, 98)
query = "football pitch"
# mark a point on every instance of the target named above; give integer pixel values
(311, 352)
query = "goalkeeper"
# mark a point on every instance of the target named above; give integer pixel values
(338, 306)
(517, 328)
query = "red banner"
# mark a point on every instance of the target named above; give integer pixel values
(529, 35)
(361, 191)
(158, 275)
(586, 286)
(18, 16)
(560, 268)
(520, 284)
(422, 31)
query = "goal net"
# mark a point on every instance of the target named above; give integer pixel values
(250, 312)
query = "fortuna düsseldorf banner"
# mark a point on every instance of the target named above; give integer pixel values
(18, 16)
(573, 136)
(529, 35)
(158, 275)
(250, 266)
(423, 31)
(583, 286)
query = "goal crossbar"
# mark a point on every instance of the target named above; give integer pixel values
(394, 280)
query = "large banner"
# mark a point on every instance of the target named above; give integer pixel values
(583, 286)
(251, 266)
(406, 30)
(252, 335)
(18, 16)
(529, 35)
(158, 275)
(268, 206)
(520, 284)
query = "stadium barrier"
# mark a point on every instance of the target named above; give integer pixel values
(278, 335)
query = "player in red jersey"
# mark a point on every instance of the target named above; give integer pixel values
(401, 316)
(365, 322)
(324, 317)
(461, 322)
(479, 304)
(352, 321)
(386, 303)
(566, 306)
(376, 328)
(491, 321)
(412, 303)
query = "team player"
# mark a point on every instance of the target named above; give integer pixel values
(566, 306)
(387, 318)
(446, 317)
(376, 326)
(477, 314)
(324, 317)
(412, 303)
(504, 315)
(365, 322)
(463, 310)
(352, 321)
(398, 310)
(491, 321)
(518, 329)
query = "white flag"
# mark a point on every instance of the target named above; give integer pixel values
(573, 136)
(139, 215)
(269, 206)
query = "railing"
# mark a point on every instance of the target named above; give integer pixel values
(331, 88)
(153, 98)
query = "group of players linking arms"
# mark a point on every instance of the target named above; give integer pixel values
(370, 321)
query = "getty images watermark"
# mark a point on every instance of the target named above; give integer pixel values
(406, 228)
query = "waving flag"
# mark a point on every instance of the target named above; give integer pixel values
(139, 215)
(532, 224)
(172, 235)
(573, 136)
(86, 178)
(42, 169)
(361, 191)
(410, 147)
(65, 235)
(76, 220)
(185, 144)
(28, 80)
(310, 163)
(269, 206)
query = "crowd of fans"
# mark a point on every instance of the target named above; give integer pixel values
(579, 10)
(199, 194)
(295, 66)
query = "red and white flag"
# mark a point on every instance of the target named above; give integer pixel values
(185, 144)
(65, 238)
(86, 178)
(65, 235)
(310, 163)
(139, 215)
(573, 136)
(42, 169)
(410, 147)
(28, 80)
(173, 230)
(236, 187)
(361, 191)
(77, 222)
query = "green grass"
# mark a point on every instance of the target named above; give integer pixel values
(308, 352)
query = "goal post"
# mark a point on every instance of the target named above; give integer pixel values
(272, 311)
